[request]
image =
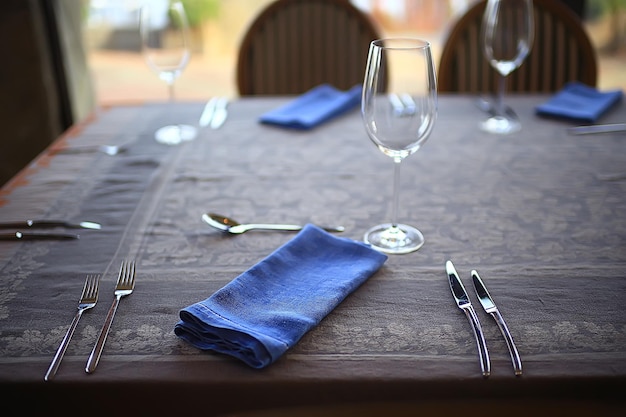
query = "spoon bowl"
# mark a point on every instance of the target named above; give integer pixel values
(229, 225)
(111, 150)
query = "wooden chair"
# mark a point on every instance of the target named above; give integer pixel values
(295, 45)
(561, 52)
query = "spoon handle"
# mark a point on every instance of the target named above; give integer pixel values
(286, 227)
(263, 226)
(241, 228)
(334, 229)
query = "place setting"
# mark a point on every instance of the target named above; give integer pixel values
(463, 302)
(89, 297)
(233, 254)
(263, 312)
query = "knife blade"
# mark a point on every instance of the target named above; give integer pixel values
(208, 112)
(463, 302)
(490, 307)
(591, 129)
(219, 116)
(37, 236)
(48, 224)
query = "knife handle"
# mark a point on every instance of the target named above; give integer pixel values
(517, 362)
(483, 353)
(607, 128)
(32, 224)
(37, 236)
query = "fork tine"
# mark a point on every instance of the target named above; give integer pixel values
(122, 272)
(126, 278)
(90, 290)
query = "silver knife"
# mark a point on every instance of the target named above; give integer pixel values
(37, 236)
(32, 224)
(463, 302)
(591, 129)
(208, 112)
(490, 307)
(219, 116)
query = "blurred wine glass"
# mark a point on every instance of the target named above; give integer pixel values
(507, 34)
(164, 30)
(399, 111)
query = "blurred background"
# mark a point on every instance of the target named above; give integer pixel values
(64, 59)
(120, 74)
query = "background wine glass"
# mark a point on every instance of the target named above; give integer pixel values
(164, 30)
(507, 34)
(399, 112)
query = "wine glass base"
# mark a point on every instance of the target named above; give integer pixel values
(501, 125)
(396, 239)
(175, 134)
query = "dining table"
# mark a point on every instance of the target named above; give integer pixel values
(540, 214)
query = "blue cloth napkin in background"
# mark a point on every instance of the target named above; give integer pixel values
(580, 102)
(265, 311)
(314, 107)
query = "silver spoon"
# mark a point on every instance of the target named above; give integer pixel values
(111, 150)
(231, 226)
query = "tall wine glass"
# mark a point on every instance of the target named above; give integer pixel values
(164, 30)
(399, 108)
(507, 34)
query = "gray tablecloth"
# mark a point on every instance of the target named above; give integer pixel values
(540, 214)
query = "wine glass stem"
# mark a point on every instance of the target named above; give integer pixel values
(396, 192)
(500, 97)
(170, 90)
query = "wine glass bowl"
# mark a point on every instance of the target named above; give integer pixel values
(164, 31)
(507, 34)
(399, 111)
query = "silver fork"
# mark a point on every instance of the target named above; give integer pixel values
(87, 300)
(125, 285)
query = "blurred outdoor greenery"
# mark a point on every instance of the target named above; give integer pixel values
(598, 8)
(199, 11)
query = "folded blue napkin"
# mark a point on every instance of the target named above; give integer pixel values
(580, 102)
(314, 107)
(263, 312)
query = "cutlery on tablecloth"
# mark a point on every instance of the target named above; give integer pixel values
(220, 114)
(593, 129)
(110, 150)
(125, 285)
(48, 224)
(37, 236)
(490, 307)
(403, 105)
(207, 112)
(88, 300)
(463, 302)
(488, 107)
(229, 225)
(214, 113)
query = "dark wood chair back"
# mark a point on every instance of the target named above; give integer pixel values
(561, 52)
(295, 45)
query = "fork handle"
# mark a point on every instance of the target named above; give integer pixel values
(94, 358)
(56, 361)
